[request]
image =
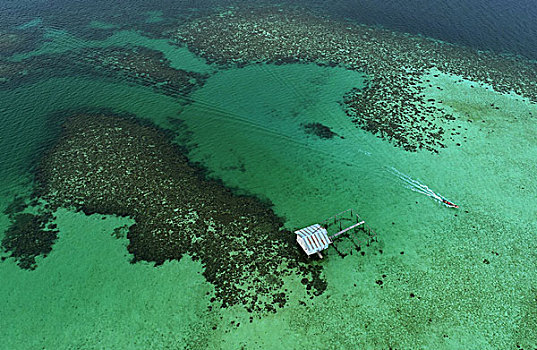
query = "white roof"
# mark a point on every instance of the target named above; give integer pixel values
(313, 238)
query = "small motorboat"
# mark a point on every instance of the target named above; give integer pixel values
(449, 204)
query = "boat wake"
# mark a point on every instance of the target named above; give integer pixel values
(417, 186)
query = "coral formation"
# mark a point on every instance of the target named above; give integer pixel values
(12, 42)
(393, 105)
(137, 65)
(320, 130)
(114, 165)
(28, 237)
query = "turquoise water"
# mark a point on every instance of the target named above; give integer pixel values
(245, 127)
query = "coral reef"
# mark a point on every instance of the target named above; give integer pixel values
(28, 237)
(12, 42)
(393, 105)
(17, 205)
(12, 72)
(137, 65)
(141, 66)
(115, 165)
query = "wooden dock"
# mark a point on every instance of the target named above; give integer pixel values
(315, 238)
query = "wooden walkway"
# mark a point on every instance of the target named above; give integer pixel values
(350, 215)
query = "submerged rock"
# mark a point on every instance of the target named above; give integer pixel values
(320, 130)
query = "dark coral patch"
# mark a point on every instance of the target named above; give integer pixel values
(320, 130)
(17, 205)
(135, 65)
(12, 42)
(113, 165)
(28, 237)
(142, 66)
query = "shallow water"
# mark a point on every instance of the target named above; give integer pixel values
(448, 278)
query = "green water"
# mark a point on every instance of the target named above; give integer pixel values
(87, 295)
(246, 129)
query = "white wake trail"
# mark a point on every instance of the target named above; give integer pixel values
(417, 186)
